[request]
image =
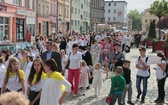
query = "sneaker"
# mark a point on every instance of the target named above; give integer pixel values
(138, 96)
(142, 101)
(130, 102)
(74, 96)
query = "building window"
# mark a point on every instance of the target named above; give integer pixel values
(114, 18)
(72, 22)
(72, 10)
(109, 4)
(16, 2)
(146, 20)
(75, 22)
(114, 11)
(115, 4)
(1, 0)
(43, 9)
(39, 9)
(75, 10)
(84, 1)
(4, 27)
(30, 26)
(54, 9)
(27, 3)
(109, 11)
(44, 24)
(109, 18)
(19, 30)
(81, 6)
(67, 13)
(47, 10)
(78, 22)
(33, 4)
(78, 11)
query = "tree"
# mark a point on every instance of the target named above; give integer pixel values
(152, 30)
(136, 19)
(159, 9)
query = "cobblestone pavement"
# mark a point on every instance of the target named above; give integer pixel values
(89, 98)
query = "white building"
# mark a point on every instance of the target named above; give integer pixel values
(80, 12)
(116, 13)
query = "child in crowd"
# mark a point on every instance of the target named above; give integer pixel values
(117, 86)
(2, 70)
(97, 79)
(84, 77)
(127, 76)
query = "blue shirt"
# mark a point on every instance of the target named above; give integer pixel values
(49, 54)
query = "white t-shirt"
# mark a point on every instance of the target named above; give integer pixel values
(64, 60)
(160, 73)
(75, 60)
(143, 73)
(2, 70)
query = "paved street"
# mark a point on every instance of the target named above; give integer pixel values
(89, 98)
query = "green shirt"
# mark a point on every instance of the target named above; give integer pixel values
(117, 85)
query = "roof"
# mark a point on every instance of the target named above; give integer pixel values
(114, 1)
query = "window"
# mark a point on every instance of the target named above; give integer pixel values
(78, 22)
(67, 13)
(75, 10)
(75, 22)
(1, 0)
(43, 9)
(72, 10)
(72, 22)
(84, 1)
(109, 11)
(54, 9)
(87, 3)
(114, 18)
(115, 4)
(109, 4)
(27, 3)
(81, 6)
(146, 20)
(78, 11)
(47, 10)
(109, 18)
(114, 11)
(19, 30)
(4, 27)
(39, 9)
(33, 4)
(16, 2)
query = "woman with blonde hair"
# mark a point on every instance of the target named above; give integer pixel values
(14, 79)
(14, 98)
(55, 47)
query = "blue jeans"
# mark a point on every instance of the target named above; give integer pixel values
(138, 85)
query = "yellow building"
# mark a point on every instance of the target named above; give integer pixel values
(64, 15)
(146, 19)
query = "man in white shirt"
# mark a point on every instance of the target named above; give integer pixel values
(143, 66)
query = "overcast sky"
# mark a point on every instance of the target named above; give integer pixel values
(139, 5)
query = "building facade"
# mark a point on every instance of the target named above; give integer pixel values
(43, 26)
(146, 19)
(116, 13)
(64, 15)
(80, 15)
(13, 19)
(96, 13)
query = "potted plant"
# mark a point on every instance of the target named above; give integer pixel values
(157, 44)
(151, 34)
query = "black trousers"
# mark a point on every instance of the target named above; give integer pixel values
(161, 90)
(32, 96)
(7, 90)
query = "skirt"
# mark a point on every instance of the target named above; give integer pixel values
(32, 96)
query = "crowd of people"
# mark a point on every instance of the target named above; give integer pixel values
(57, 65)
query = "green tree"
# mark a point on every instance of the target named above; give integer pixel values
(159, 9)
(136, 19)
(152, 30)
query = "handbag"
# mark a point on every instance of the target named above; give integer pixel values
(68, 62)
(108, 99)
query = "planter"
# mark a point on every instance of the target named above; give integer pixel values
(158, 46)
(166, 51)
(148, 43)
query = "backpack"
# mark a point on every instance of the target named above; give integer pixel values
(166, 71)
(146, 60)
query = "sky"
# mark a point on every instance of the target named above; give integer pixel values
(139, 5)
